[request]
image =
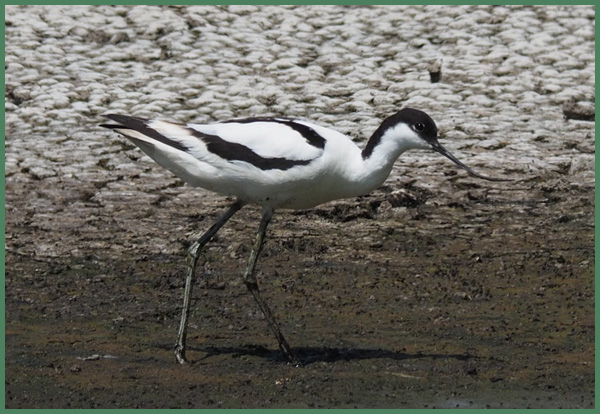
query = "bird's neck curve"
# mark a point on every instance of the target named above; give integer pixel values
(378, 158)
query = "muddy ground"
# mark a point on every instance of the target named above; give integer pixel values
(479, 297)
(436, 290)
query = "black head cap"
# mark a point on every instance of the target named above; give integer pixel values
(425, 128)
(417, 120)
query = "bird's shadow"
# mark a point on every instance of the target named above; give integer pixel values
(310, 355)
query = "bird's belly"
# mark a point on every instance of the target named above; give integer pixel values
(298, 195)
(301, 200)
(285, 193)
(299, 187)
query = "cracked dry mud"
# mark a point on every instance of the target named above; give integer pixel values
(436, 290)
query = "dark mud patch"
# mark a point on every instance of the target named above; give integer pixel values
(466, 297)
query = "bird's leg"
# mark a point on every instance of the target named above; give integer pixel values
(252, 284)
(192, 259)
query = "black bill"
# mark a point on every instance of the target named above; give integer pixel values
(438, 148)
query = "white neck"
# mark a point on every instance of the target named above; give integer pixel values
(353, 172)
(380, 154)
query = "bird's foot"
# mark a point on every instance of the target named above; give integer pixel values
(291, 357)
(180, 355)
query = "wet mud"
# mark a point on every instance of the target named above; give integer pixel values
(472, 295)
(438, 290)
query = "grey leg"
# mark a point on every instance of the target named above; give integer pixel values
(192, 259)
(252, 284)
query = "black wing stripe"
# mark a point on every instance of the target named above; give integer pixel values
(311, 136)
(233, 151)
(229, 151)
(141, 125)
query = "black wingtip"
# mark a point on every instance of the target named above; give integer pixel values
(125, 119)
(132, 123)
(110, 126)
(125, 122)
(112, 117)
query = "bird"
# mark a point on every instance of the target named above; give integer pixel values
(275, 163)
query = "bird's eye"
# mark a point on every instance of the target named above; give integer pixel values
(419, 127)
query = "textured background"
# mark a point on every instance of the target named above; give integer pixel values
(78, 197)
(507, 74)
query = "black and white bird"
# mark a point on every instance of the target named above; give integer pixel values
(275, 163)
